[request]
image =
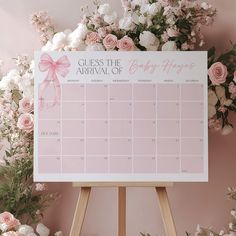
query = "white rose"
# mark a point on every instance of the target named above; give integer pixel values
(31, 234)
(47, 47)
(110, 19)
(169, 46)
(144, 8)
(142, 19)
(135, 18)
(95, 47)
(149, 40)
(154, 8)
(42, 230)
(227, 129)
(9, 82)
(76, 42)
(104, 9)
(59, 40)
(212, 98)
(80, 32)
(25, 229)
(126, 23)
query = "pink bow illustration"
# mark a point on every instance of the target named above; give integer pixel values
(54, 68)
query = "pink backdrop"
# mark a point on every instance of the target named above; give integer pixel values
(192, 203)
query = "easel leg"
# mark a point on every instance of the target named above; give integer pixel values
(166, 212)
(80, 211)
(122, 211)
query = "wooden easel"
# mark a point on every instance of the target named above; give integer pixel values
(83, 199)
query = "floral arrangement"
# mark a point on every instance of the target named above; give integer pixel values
(10, 226)
(18, 194)
(146, 25)
(222, 89)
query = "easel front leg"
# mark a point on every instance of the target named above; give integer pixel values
(80, 211)
(122, 211)
(166, 211)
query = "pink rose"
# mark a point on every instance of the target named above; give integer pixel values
(172, 32)
(26, 105)
(217, 73)
(126, 44)
(8, 221)
(110, 42)
(26, 122)
(92, 38)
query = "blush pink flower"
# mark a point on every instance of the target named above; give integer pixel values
(92, 38)
(26, 122)
(126, 44)
(26, 105)
(172, 32)
(110, 42)
(8, 221)
(217, 73)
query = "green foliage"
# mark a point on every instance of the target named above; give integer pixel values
(17, 194)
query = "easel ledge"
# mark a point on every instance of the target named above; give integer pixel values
(83, 199)
(122, 184)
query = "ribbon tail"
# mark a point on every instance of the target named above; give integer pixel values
(57, 89)
(42, 88)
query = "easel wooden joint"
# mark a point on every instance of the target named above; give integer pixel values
(83, 199)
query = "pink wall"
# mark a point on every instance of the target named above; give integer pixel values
(192, 203)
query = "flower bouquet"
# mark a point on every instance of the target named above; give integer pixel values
(10, 226)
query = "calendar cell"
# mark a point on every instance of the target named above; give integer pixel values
(73, 128)
(120, 128)
(96, 146)
(168, 92)
(73, 110)
(144, 164)
(96, 92)
(192, 164)
(97, 164)
(120, 146)
(144, 110)
(49, 128)
(192, 92)
(96, 128)
(73, 92)
(144, 92)
(144, 146)
(73, 146)
(120, 110)
(71, 165)
(49, 146)
(120, 164)
(120, 92)
(168, 164)
(49, 164)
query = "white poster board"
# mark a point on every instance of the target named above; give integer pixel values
(121, 116)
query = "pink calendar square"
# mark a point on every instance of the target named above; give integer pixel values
(132, 117)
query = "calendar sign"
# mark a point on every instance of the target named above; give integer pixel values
(121, 116)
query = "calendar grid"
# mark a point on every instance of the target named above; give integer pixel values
(137, 112)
